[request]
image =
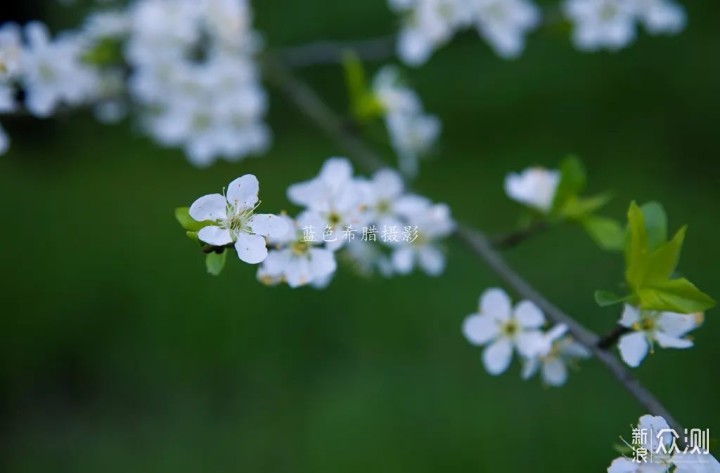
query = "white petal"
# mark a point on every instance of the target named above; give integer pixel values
(243, 192)
(402, 260)
(497, 357)
(529, 315)
(322, 263)
(211, 207)
(336, 171)
(555, 372)
(214, 235)
(496, 303)
(387, 183)
(695, 463)
(480, 329)
(622, 465)
(276, 262)
(532, 343)
(298, 272)
(530, 367)
(269, 225)
(677, 324)
(431, 260)
(251, 248)
(630, 316)
(670, 341)
(633, 348)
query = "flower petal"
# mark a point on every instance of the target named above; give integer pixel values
(531, 343)
(495, 303)
(215, 236)
(251, 248)
(671, 341)
(322, 263)
(298, 272)
(243, 192)
(554, 372)
(431, 260)
(530, 367)
(480, 329)
(211, 207)
(269, 225)
(529, 315)
(630, 316)
(402, 260)
(497, 357)
(677, 324)
(633, 348)
(623, 465)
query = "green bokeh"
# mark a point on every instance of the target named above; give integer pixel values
(120, 354)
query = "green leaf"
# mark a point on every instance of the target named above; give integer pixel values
(215, 262)
(606, 232)
(607, 298)
(572, 181)
(676, 295)
(661, 263)
(578, 207)
(182, 215)
(655, 224)
(363, 103)
(636, 247)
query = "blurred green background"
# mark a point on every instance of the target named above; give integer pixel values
(118, 353)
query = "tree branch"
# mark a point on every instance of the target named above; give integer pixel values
(331, 52)
(315, 109)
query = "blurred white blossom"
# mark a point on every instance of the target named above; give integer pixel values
(559, 352)
(412, 131)
(612, 24)
(534, 187)
(194, 71)
(668, 329)
(429, 24)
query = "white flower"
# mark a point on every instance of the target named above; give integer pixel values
(504, 24)
(234, 220)
(425, 226)
(598, 24)
(504, 328)
(562, 351)
(10, 51)
(194, 73)
(412, 132)
(534, 187)
(661, 16)
(367, 258)
(668, 329)
(298, 260)
(658, 461)
(334, 195)
(383, 192)
(53, 71)
(695, 463)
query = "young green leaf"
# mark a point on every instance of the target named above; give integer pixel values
(215, 262)
(607, 298)
(661, 263)
(606, 232)
(676, 295)
(182, 215)
(578, 207)
(636, 247)
(655, 224)
(572, 181)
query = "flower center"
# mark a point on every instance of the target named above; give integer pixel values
(334, 219)
(509, 328)
(300, 248)
(383, 207)
(237, 221)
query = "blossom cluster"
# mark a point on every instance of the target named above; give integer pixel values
(412, 131)
(335, 201)
(655, 450)
(191, 73)
(504, 329)
(597, 24)
(50, 71)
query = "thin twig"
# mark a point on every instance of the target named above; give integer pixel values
(328, 121)
(511, 240)
(331, 52)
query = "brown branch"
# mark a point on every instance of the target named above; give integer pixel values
(328, 121)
